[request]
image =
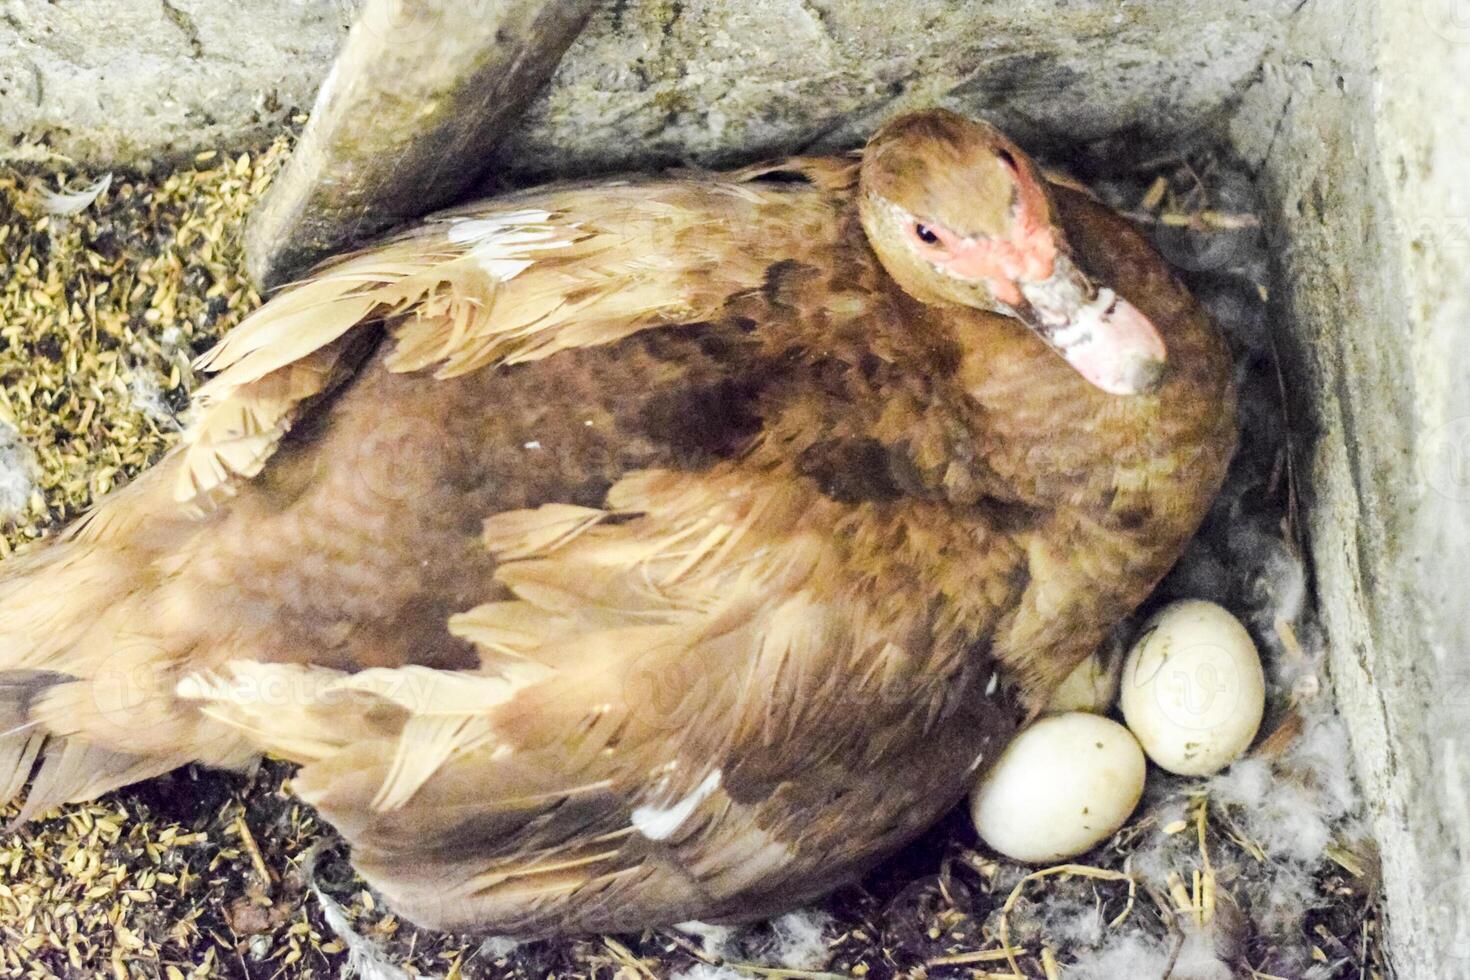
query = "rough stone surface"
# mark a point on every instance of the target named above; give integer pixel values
(131, 81)
(650, 80)
(653, 81)
(1361, 129)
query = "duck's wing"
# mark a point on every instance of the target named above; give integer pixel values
(502, 282)
(675, 676)
(505, 281)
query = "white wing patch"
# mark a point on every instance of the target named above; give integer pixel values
(660, 823)
(496, 283)
(447, 275)
(501, 243)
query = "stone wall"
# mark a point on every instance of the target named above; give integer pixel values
(121, 81)
(708, 80)
(1361, 125)
(132, 81)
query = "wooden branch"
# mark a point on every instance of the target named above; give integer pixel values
(403, 123)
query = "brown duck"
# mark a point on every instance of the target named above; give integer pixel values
(621, 553)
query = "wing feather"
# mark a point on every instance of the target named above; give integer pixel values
(593, 601)
(503, 282)
(644, 665)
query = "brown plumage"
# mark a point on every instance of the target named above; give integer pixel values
(623, 553)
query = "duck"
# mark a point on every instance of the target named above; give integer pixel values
(625, 552)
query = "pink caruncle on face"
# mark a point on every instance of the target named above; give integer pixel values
(1105, 338)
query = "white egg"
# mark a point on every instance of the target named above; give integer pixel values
(1062, 786)
(1193, 690)
(1091, 686)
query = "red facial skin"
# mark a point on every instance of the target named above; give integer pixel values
(1028, 253)
(1106, 346)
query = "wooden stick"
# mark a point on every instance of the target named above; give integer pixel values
(403, 123)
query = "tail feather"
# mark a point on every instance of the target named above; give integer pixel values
(46, 607)
(87, 661)
(73, 771)
(20, 737)
(59, 770)
(18, 756)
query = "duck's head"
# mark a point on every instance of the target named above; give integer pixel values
(958, 214)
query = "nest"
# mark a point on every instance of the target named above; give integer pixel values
(110, 285)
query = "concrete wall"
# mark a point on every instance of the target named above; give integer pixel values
(659, 80)
(126, 81)
(1363, 150)
(136, 80)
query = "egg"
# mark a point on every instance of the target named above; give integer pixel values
(1091, 686)
(1062, 786)
(1193, 690)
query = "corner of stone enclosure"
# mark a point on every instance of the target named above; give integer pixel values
(1360, 121)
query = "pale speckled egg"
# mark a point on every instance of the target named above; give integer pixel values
(1193, 690)
(1061, 787)
(1091, 686)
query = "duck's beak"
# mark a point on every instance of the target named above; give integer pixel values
(1103, 336)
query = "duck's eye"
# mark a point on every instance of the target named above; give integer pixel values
(1007, 159)
(925, 234)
